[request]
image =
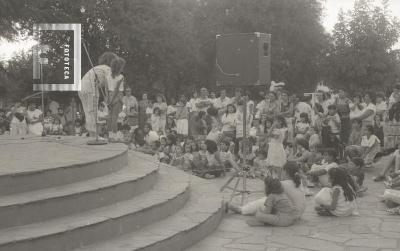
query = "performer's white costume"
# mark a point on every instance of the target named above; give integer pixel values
(89, 94)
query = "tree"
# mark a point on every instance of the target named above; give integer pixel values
(362, 54)
(170, 45)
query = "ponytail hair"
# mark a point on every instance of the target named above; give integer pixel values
(292, 169)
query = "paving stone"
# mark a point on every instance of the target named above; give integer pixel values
(230, 235)
(360, 249)
(375, 243)
(217, 242)
(391, 226)
(360, 229)
(330, 237)
(249, 247)
(255, 239)
(306, 243)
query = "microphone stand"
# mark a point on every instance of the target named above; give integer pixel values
(96, 141)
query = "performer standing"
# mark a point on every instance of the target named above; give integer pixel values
(89, 94)
(115, 94)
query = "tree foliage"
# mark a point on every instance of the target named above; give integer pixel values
(170, 45)
(362, 55)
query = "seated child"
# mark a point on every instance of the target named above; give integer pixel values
(226, 155)
(187, 157)
(48, 122)
(57, 128)
(177, 157)
(302, 126)
(340, 200)
(320, 171)
(124, 135)
(164, 155)
(278, 208)
(315, 139)
(370, 145)
(260, 167)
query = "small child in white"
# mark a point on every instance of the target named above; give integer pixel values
(340, 199)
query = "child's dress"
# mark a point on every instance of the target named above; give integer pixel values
(373, 145)
(156, 123)
(276, 152)
(182, 119)
(343, 207)
(302, 129)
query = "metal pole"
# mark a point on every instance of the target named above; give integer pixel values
(42, 84)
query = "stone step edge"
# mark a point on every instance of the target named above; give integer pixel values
(170, 234)
(26, 181)
(77, 197)
(93, 218)
(62, 191)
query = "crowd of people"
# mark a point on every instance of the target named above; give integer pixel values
(326, 138)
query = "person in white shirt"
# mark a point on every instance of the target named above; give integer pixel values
(381, 106)
(370, 145)
(53, 106)
(191, 105)
(356, 108)
(34, 119)
(303, 107)
(229, 122)
(368, 114)
(221, 102)
(129, 100)
(150, 136)
(203, 102)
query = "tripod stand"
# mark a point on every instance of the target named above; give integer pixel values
(240, 176)
(243, 171)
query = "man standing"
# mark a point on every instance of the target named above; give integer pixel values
(53, 106)
(221, 102)
(131, 108)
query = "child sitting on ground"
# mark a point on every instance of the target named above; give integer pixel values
(340, 200)
(260, 168)
(355, 167)
(315, 139)
(302, 126)
(226, 155)
(319, 172)
(57, 128)
(370, 145)
(187, 157)
(177, 158)
(278, 208)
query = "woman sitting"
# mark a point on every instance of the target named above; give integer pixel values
(278, 209)
(292, 188)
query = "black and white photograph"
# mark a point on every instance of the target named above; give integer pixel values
(199, 125)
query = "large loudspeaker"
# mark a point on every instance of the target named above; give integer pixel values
(243, 59)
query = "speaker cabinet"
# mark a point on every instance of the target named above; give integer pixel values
(243, 59)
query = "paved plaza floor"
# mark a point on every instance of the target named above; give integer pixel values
(373, 229)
